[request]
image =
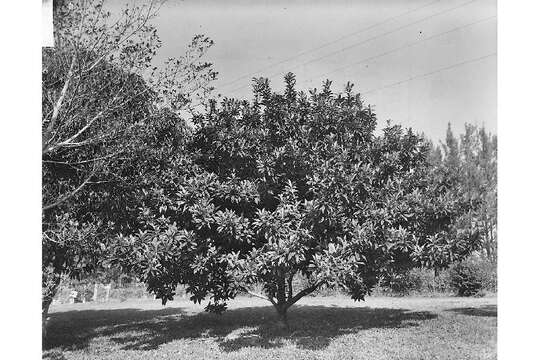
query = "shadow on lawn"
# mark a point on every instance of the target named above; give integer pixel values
(486, 310)
(74, 329)
(311, 327)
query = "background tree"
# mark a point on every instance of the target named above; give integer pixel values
(110, 117)
(470, 162)
(297, 184)
(479, 153)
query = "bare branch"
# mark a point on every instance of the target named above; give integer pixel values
(143, 21)
(268, 298)
(69, 142)
(84, 128)
(81, 143)
(58, 105)
(289, 285)
(98, 159)
(83, 161)
(69, 195)
(303, 293)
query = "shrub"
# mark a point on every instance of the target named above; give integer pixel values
(133, 291)
(430, 283)
(466, 277)
(488, 274)
(401, 283)
(418, 281)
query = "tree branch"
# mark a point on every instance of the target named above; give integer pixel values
(72, 164)
(303, 293)
(71, 194)
(289, 285)
(138, 17)
(58, 105)
(269, 298)
(83, 129)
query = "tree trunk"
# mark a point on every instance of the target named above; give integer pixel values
(48, 292)
(281, 310)
(44, 314)
(492, 242)
(282, 302)
(487, 240)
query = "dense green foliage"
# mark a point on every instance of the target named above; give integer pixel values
(466, 279)
(298, 183)
(472, 276)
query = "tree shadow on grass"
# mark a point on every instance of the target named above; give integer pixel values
(486, 311)
(311, 327)
(72, 330)
(314, 327)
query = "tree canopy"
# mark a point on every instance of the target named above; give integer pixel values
(297, 184)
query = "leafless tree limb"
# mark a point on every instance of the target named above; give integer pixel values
(70, 194)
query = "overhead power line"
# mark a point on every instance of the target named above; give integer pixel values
(431, 73)
(406, 46)
(330, 43)
(366, 41)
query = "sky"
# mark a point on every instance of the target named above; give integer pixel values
(420, 63)
(47, 38)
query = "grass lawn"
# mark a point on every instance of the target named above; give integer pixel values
(321, 328)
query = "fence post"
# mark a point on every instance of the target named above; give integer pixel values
(95, 296)
(107, 291)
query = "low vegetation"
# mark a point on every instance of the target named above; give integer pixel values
(475, 276)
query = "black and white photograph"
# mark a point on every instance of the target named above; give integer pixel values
(270, 180)
(256, 179)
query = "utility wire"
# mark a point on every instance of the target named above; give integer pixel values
(411, 44)
(431, 73)
(365, 41)
(328, 43)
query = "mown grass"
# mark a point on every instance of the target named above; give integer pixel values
(320, 328)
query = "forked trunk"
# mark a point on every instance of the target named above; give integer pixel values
(282, 303)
